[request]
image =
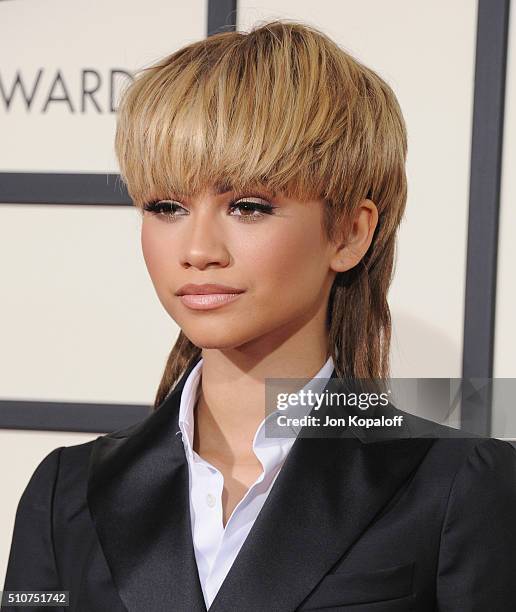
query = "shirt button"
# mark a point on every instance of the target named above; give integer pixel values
(210, 500)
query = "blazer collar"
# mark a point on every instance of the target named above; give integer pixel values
(324, 497)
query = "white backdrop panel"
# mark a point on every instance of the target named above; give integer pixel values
(63, 39)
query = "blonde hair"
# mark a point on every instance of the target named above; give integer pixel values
(283, 106)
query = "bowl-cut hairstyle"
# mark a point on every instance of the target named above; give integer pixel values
(280, 106)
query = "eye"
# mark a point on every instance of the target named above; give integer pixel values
(249, 204)
(163, 208)
(256, 206)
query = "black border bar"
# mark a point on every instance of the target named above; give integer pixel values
(65, 188)
(222, 16)
(69, 416)
(484, 206)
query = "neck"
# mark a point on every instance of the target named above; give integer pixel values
(231, 402)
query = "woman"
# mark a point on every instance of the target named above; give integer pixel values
(269, 167)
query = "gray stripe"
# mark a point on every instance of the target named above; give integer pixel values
(68, 188)
(69, 416)
(222, 16)
(484, 204)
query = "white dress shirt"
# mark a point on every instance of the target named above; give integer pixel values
(215, 546)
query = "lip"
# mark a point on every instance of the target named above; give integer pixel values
(206, 289)
(208, 301)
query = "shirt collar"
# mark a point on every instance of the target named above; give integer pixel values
(191, 391)
(189, 396)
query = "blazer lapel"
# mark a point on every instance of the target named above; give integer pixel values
(138, 495)
(327, 493)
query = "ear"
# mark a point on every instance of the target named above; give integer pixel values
(348, 253)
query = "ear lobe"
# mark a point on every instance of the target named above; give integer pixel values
(344, 259)
(359, 237)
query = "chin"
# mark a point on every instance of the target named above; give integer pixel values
(218, 335)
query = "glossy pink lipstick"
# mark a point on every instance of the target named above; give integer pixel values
(207, 296)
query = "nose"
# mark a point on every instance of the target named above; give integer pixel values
(203, 239)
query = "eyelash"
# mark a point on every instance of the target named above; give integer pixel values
(165, 208)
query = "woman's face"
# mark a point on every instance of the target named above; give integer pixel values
(272, 249)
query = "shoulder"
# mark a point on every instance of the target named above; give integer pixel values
(73, 461)
(67, 468)
(63, 471)
(457, 444)
(65, 464)
(456, 455)
(475, 471)
(482, 466)
(57, 492)
(65, 458)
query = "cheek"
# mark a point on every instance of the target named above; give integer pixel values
(293, 260)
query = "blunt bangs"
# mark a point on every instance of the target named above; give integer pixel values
(281, 107)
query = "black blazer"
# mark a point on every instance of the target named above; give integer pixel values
(360, 523)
